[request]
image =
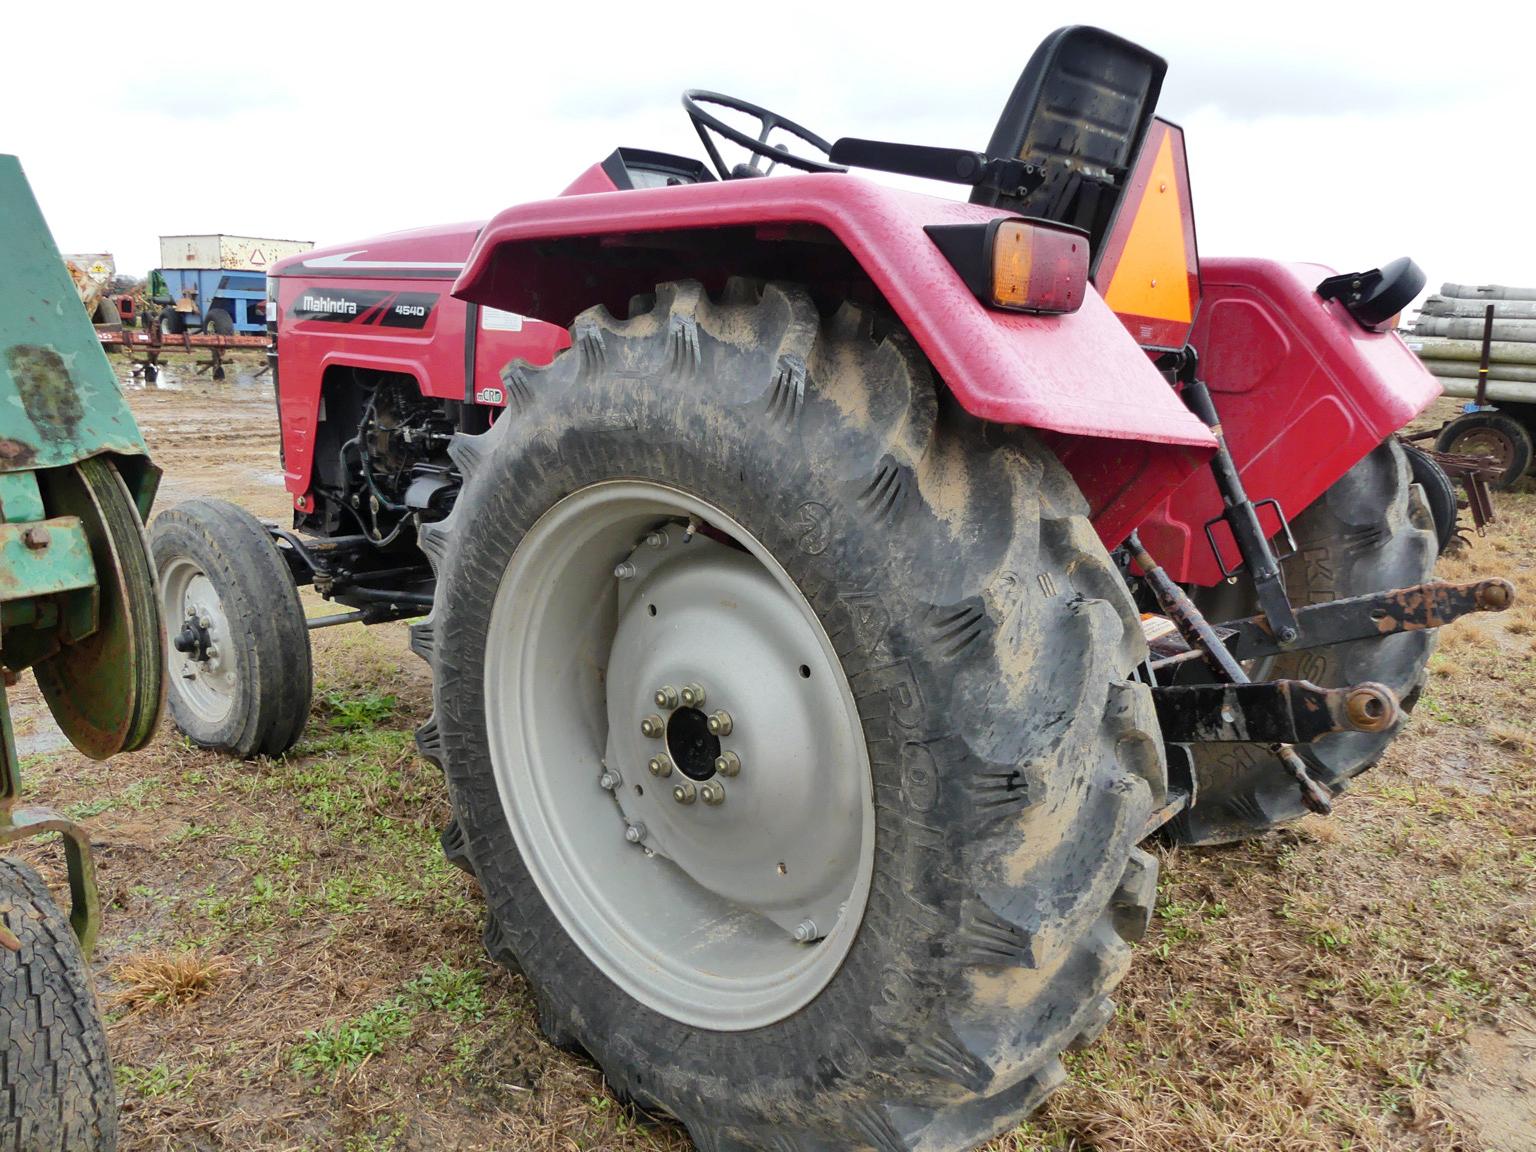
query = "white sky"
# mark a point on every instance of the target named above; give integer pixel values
(1343, 133)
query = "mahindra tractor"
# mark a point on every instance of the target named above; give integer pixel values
(827, 587)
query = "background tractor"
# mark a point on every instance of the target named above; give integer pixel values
(78, 608)
(833, 587)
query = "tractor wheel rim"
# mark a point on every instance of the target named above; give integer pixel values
(724, 893)
(208, 686)
(1488, 442)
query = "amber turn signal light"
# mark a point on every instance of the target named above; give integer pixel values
(1018, 264)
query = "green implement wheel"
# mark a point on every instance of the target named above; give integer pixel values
(106, 690)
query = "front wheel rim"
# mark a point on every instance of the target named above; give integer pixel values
(711, 856)
(206, 679)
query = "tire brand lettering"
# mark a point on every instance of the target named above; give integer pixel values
(848, 1055)
(869, 618)
(1319, 568)
(902, 692)
(814, 523)
(919, 777)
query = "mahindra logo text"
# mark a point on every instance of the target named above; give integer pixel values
(326, 304)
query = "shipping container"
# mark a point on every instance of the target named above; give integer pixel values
(231, 253)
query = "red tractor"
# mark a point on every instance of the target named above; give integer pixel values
(788, 584)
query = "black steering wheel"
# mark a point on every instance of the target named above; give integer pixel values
(693, 100)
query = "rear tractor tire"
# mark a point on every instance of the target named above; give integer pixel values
(239, 669)
(1371, 531)
(56, 1090)
(787, 717)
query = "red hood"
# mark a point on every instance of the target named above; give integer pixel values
(440, 249)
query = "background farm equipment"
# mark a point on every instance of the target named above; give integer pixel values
(1480, 342)
(842, 514)
(77, 608)
(216, 284)
(95, 275)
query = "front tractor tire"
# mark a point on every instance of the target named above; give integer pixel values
(1370, 532)
(788, 720)
(239, 676)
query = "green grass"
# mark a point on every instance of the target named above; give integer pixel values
(458, 993)
(326, 1051)
(349, 713)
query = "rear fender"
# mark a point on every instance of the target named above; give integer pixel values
(1303, 392)
(1079, 379)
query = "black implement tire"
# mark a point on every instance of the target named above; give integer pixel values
(1439, 492)
(1497, 435)
(219, 323)
(107, 315)
(172, 322)
(56, 1090)
(989, 642)
(1371, 531)
(266, 641)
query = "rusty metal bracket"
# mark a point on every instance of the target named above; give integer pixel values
(84, 901)
(1272, 711)
(1421, 606)
(18, 823)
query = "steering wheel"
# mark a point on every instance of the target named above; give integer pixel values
(694, 99)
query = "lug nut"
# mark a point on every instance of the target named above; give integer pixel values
(685, 793)
(659, 766)
(635, 833)
(728, 764)
(609, 780)
(692, 695)
(666, 697)
(36, 538)
(652, 726)
(719, 723)
(805, 931)
(712, 792)
(624, 570)
(656, 539)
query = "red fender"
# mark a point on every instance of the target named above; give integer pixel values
(1080, 379)
(1303, 392)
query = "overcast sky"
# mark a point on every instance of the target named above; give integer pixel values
(1342, 133)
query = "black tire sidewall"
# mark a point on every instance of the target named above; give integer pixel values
(68, 1095)
(817, 540)
(269, 635)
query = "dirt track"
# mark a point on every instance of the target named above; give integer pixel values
(288, 963)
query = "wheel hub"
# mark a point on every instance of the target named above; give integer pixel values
(716, 861)
(205, 671)
(691, 745)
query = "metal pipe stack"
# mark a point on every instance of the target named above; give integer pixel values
(1449, 332)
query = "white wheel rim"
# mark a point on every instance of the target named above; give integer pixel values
(206, 686)
(698, 919)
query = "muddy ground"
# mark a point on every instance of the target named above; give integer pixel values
(287, 963)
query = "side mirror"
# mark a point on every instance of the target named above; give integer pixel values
(1376, 298)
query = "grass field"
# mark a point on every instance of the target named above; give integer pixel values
(288, 963)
